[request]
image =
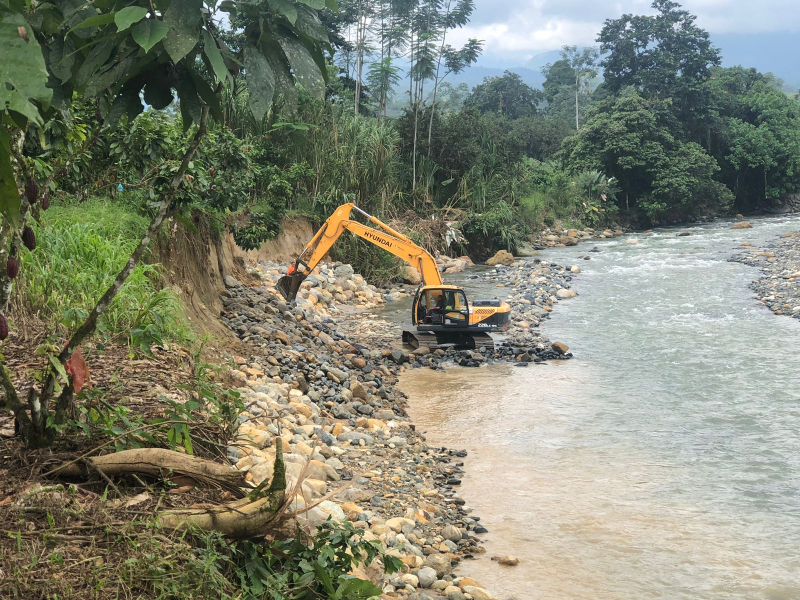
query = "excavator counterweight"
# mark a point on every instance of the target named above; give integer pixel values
(441, 313)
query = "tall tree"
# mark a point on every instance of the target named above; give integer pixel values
(508, 96)
(582, 63)
(756, 136)
(366, 11)
(663, 56)
(663, 179)
(383, 77)
(454, 13)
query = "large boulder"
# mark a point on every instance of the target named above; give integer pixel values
(742, 225)
(503, 257)
(411, 275)
(467, 261)
(526, 250)
(439, 563)
(344, 271)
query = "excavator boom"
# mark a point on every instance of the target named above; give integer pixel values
(385, 237)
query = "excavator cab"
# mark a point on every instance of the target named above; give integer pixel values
(440, 307)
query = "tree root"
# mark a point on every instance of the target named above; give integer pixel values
(158, 462)
(245, 518)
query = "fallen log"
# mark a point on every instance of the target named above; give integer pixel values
(158, 462)
(245, 518)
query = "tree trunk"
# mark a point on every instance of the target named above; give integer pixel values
(245, 518)
(159, 462)
(436, 80)
(577, 84)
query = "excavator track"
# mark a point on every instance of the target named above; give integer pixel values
(459, 340)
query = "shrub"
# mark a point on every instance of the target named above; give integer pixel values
(376, 265)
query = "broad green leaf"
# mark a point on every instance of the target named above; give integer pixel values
(260, 80)
(47, 18)
(96, 58)
(128, 16)
(353, 588)
(75, 12)
(183, 18)
(59, 368)
(332, 5)
(23, 77)
(189, 101)
(61, 57)
(148, 33)
(208, 95)
(127, 103)
(103, 80)
(215, 57)
(308, 24)
(285, 8)
(305, 67)
(285, 89)
(9, 194)
(14, 5)
(95, 21)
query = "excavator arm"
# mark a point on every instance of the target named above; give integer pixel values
(385, 237)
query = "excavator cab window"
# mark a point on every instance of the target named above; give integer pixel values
(443, 307)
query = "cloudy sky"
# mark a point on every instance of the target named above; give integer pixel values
(519, 29)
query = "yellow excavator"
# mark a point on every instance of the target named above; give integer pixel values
(441, 313)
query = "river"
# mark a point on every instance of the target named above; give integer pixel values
(663, 461)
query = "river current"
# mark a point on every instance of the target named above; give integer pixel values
(663, 460)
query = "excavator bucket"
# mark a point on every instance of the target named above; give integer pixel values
(289, 284)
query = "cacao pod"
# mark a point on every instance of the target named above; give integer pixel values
(46, 201)
(29, 238)
(32, 191)
(3, 327)
(12, 267)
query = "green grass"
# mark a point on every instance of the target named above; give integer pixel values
(80, 249)
(109, 218)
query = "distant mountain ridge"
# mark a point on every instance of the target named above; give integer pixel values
(768, 52)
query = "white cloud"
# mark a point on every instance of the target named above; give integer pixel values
(514, 26)
(528, 37)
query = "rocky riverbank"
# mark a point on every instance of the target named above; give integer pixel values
(321, 376)
(779, 285)
(557, 237)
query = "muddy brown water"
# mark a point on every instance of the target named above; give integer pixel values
(663, 461)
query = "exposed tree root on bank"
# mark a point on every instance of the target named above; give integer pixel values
(158, 462)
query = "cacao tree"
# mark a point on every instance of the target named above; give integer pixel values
(123, 55)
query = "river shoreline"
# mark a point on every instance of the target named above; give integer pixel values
(778, 288)
(322, 375)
